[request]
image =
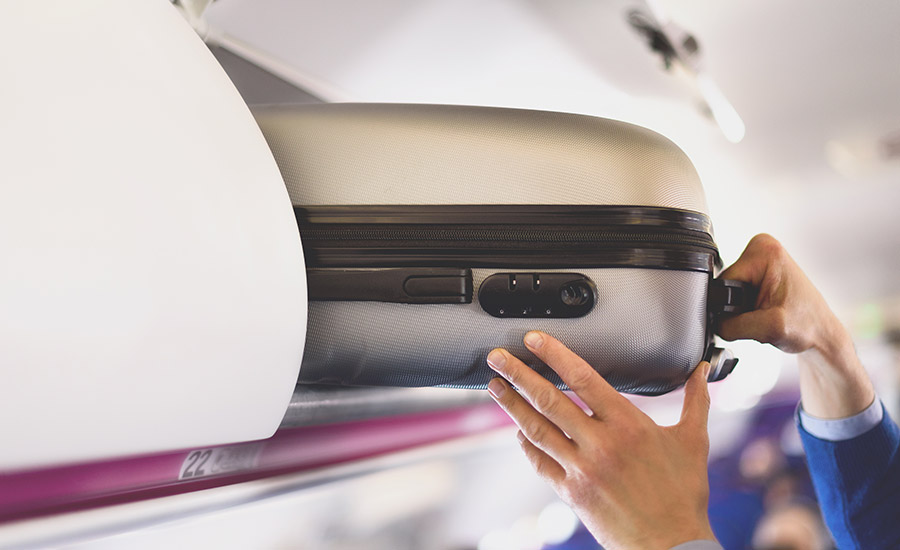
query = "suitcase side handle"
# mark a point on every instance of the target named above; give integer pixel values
(728, 296)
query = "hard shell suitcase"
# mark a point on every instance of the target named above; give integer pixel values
(433, 234)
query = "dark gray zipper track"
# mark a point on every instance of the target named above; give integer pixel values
(402, 236)
(371, 237)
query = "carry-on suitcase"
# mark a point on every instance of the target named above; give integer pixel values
(433, 234)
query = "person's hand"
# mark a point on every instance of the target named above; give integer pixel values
(793, 316)
(790, 313)
(634, 484)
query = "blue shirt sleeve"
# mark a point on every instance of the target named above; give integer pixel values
(698, 545)
(843, 428)
(857, 482)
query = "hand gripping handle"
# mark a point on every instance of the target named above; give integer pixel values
(727, 297)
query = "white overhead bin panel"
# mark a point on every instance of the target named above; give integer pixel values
(152, 284)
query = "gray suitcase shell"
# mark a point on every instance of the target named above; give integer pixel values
(357, 164)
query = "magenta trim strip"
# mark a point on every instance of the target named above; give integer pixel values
(28, 494)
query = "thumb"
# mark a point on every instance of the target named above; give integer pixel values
(761, 325)
(695, 411)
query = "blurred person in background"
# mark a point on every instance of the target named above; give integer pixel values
(638, 485)
(792, 526)
(756, 479)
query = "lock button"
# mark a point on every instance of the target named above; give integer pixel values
(537, 295)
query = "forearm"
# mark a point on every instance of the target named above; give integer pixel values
(833, 382)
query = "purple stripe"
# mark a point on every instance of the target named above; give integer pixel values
(63, 489)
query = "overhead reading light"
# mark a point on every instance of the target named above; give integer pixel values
(680, 52)
(723, 112)
(855, 156)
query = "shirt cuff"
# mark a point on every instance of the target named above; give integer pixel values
(842, 429)
(698, 545)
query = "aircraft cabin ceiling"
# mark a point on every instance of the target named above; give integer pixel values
(816, 82)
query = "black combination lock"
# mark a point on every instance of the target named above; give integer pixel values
(545, 295)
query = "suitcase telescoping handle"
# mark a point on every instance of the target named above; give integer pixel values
(727, 297)
(405, 285)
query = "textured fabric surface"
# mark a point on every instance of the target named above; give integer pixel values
(645, 335)
(437, 154)
(857, 482)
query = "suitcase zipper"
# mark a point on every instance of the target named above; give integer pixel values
(372, 237)
(492, 247)
(595, 236)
